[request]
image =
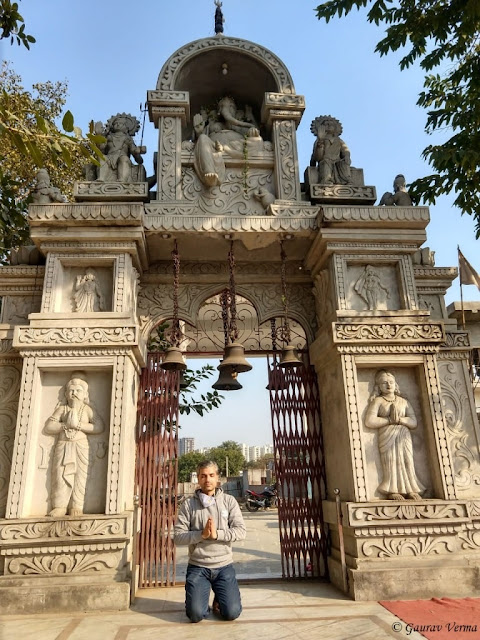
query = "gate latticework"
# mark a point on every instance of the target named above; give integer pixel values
(299, 469)
(156, 472)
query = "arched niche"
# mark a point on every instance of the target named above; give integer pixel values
(251, 69)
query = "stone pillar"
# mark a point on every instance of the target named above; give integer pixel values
(70, 502)
(369, 320)
(169, 110)
(282, 113)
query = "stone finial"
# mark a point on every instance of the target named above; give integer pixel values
(219, 19)
(400, 196)
(43, 192)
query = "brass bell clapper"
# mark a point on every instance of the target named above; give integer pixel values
(234, 361)
(173, 360)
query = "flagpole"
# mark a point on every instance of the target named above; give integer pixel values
(461, 288)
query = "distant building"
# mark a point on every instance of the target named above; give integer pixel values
(245, 452)
(185, 445)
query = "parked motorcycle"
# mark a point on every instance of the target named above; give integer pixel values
(254, 501)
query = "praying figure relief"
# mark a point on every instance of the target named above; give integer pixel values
(72, 422)
(394, 418)
(330, 154)
(87, 295)
(370, 287)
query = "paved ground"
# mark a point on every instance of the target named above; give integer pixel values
(272, 609)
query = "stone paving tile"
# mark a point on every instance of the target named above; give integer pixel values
(26, 628)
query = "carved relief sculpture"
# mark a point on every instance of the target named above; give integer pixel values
(400, 196)
(394, 418)
(370, 287)
(227, 129)
(87, 294)
(119, 146)
(330, 154)
(72, 423)
(43, 192)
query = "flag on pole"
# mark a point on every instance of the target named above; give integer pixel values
(468, 275)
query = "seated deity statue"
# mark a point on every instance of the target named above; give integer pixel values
(227, 130)
(88, 295)
(118, 148)
(72, 422)
(330, 154)
(400, 196)
(394, 418)
(43, 192)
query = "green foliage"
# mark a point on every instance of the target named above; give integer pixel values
(11, 24)
(236, 460)
(265, 462)
(207, 401)
(187, 464)
(30, 139)
(13, 217)
(445, 35)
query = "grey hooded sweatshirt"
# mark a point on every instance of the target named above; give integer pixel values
(191, 520)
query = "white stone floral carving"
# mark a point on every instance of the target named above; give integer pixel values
(76, 335)
(386, 332)
(415, 546)
(9, 396)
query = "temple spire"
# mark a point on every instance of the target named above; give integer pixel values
(219, 19)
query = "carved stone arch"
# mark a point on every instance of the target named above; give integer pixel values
(178, 72)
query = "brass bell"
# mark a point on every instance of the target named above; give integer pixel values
(289, 358)
(227, 380)
(173, 360)
(276, 380)
(183, 383)
(234, 358)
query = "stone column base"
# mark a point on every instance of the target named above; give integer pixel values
(406, 550)
(55, 594)
(50, 565)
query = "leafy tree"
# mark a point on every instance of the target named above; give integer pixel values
(187, 464)
(441, 36)
(236, 460)
(265, 462)
(29, 139)
(12, 25)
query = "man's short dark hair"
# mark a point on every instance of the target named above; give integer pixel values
(207, 463)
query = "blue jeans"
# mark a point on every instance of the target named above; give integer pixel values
(198, 582)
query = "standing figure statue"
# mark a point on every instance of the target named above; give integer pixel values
(72, 423)
(400, 196)
(229, 130)
(369, 287)
(394, 418)
(330, 154)
(117, 166)
(87, 295)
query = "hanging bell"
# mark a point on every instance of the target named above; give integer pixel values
(173, 360)
(227, 380)
(234, 358)
(276, 380)
(183, 383)
(289, 358)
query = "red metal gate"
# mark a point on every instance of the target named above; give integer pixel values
(299, 469)
(156, 472)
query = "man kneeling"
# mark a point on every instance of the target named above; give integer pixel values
(209, 522)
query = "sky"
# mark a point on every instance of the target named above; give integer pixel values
(111, 52)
